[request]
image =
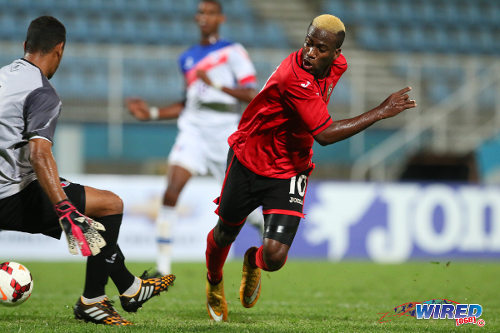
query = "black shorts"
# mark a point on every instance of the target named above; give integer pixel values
(31, 210)
(243, 191)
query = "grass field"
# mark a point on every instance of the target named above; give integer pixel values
(302, 297)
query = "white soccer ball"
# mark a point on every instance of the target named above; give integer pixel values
(16, 283)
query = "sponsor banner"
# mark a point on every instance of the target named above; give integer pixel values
(396, 222)
(379, 222)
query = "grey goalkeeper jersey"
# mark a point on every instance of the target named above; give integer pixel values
(29, 108)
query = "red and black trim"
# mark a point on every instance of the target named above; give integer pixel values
(283, 212)
(320, 127)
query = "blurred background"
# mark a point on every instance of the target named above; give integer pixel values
(447, 50)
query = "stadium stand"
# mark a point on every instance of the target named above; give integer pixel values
(427, 26)
(136, 23)
(156, 22)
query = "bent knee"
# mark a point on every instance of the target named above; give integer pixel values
(103, 203)
(274, 260)
(115, 205)
(225, 234)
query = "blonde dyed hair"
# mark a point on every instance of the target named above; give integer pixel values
(329, 23)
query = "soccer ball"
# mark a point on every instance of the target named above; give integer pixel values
(16, 283)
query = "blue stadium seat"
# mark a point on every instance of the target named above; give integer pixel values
(8, 30)
(369, 38)
(187, 8)
(447, 26)
(484, 41)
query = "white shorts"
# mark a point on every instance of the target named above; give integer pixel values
(200, 149)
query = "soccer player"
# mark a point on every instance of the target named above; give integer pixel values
(269, 161)
(34, 199)
(218, 74)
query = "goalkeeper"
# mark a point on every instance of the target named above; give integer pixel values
(34, 199)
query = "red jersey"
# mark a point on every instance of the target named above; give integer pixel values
(275, 134)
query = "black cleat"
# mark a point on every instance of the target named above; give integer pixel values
(101, 312)
(149, 288)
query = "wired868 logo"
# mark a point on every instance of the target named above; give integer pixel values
(462, 313)
(438, 309)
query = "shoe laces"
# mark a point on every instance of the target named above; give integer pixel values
(108, 304)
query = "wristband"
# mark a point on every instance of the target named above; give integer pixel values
(154, 113)
(217, 86)
(63, 206)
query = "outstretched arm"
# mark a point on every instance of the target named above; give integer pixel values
(240, 93)
(343, 129)
(142, 111)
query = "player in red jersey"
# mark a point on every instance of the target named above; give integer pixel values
(270, 157)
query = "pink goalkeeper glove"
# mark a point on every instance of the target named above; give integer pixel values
(81, 231)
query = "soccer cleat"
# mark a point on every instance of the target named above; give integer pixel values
(216, 301)
(101, 312)
(149, 288)
(250, 282)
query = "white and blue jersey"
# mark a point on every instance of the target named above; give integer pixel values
(227, 64)
(210, 116)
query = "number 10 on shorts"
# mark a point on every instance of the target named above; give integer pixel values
(299, 184)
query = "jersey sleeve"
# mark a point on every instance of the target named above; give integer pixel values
(308, 104)
(41, 111)
(242, 67)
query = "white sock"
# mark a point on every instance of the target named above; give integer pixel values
(134, 288)
(167, 217)
(88, 301)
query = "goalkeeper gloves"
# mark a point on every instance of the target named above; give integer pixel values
(81, 231)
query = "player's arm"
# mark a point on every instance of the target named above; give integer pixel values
(244, 94)
(343, 129)
(80, 230)
(142, 111)
(45, 168)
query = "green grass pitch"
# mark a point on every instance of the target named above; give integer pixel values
(305, 296)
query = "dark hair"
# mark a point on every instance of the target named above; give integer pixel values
(339, 39)
(215, 2)
(44, 33)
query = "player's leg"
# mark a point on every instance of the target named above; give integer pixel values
(177, 177)
(282, 206)
(235, 203)
(279, 232)
(107, 208)
(185, 160)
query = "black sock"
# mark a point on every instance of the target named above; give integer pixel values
(99, 267)
(120, 275)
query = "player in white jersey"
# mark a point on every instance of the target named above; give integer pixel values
(34, 199)
(218, 75)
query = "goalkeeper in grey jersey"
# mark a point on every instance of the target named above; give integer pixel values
(34, 199)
